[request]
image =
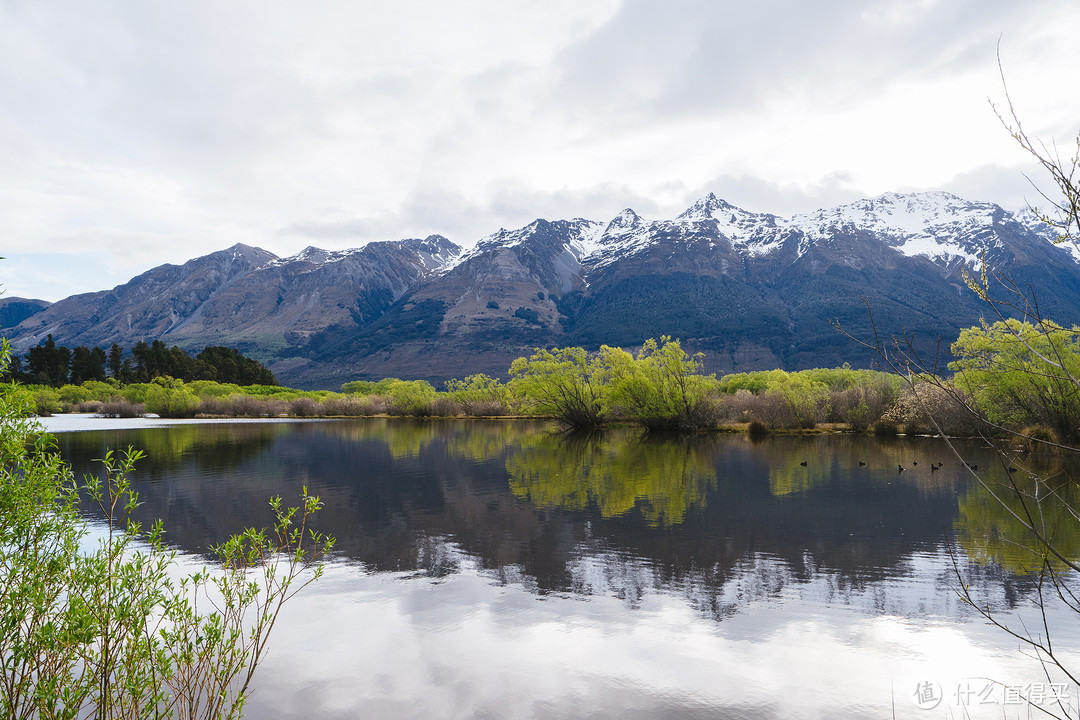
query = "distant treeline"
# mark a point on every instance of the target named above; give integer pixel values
(56, 365)
(1008, 377)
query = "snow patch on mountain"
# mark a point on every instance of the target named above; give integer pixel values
(314, 256)
(1033, 223)
(936, 225)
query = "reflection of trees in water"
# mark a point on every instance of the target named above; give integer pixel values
(617, 472)
(719, 519)
(988, 531)
(404, 438)
(215, 448)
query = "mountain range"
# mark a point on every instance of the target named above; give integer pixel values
(750, 290)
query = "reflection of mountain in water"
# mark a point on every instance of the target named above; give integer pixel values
(719, 519)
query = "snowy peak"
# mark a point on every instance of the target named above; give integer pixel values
(939, 226)
(707, 208)
(741, 227)
(435, 251)
(626, 220)
(312, 254)
(560, 235)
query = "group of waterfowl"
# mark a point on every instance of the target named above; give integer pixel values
(933, 467)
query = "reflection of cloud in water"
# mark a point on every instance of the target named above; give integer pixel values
(462, 647)
(912, 591)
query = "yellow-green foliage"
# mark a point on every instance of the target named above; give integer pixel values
(806, 397)
(73, 395)
(171, 399)
(756, 382)
(358, 387)
(212, 388)
(1021, 374)
(807, 400)
(659, 387)
(135, 392)
(480, 395)
(46, 399)
(566, 383)
(410, 397)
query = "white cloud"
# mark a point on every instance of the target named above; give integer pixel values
(153, 133)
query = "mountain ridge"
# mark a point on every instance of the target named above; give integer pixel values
(752, 290)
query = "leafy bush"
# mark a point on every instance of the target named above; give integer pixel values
(171, 402)
(1020, 375)
(213, 388)
(660, 387)
(358, 387)
(481, 395)
(410, 397)
(46, 400)
(807, 400)
(565, 383)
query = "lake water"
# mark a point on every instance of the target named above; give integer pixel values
(505, 570)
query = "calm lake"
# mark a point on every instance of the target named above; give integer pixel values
(505, 570)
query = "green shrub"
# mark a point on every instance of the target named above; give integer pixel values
(101, 625)
(659, 387)
(46, 400)
(481, 395)
(212, 388)
(171, 402)
(410, 397)
(1019, 374)
(358, 387)
(807, 400)
(565, 383)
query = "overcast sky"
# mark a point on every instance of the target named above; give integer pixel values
(136, 133)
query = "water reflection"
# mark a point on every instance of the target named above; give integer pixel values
(724, 577)
(991, 527)
(618, 472)
(617, 513)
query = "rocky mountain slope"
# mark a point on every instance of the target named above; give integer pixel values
(751, 290)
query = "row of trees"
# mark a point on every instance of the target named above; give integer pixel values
(1004, 381)
(56, 365)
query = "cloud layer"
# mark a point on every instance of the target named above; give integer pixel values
(137, 134)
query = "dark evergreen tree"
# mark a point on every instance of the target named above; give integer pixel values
(145, 367)
(228, 365)
(48, 364)
(87, 364)
(116, 362)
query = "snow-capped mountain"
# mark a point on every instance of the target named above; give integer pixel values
(751, 290)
